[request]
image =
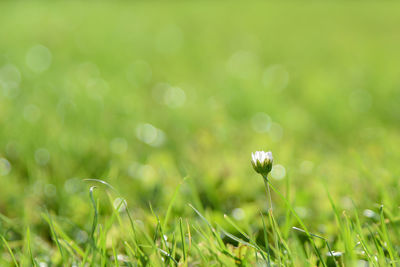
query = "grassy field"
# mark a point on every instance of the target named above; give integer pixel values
(126, 133)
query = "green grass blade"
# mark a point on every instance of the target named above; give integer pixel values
(183, 241)
(168, 213)
(9, 250)
(54, 234)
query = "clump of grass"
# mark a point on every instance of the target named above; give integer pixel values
(121, 239)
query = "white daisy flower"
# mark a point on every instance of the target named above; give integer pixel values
(262, 162)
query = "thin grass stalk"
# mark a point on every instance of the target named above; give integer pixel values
(270, 211)
(299, 220)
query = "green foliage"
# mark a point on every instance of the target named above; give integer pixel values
(126, 133)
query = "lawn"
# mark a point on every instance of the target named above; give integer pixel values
(126, 133)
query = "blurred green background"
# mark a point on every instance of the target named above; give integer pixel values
(143, 94)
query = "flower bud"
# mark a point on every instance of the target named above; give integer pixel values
(262, 162)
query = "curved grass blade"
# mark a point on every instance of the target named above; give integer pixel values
(168, 213)
(9, 250)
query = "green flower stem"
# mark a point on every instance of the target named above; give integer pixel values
(269, 198)
(268, 185)
(268, 192)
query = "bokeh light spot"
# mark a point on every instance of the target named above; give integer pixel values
(369, 213)
(72, 185)
(238, 214)
(150, 135)
(5, 167)
(42, 156)
(81, 237)
(278, 172)
(96, 88)
(261, 122)
(174, 97)
(10, 79)
(302, 211)
(120, 204)
(275, 77)
(38, 58)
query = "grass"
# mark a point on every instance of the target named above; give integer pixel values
(126, 130)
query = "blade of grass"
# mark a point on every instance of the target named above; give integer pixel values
(182, 241)
(95, 216)
(212, 229)
(251, 241)
(116, 263)
(300, 222)
(28, 241)
(266, 239)
(102, 182)
(387, 242)
(322, 238)
(159, 228)
(55, 237)
(9, 250)
(67, 239)
(274, 230)
(169, 209)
